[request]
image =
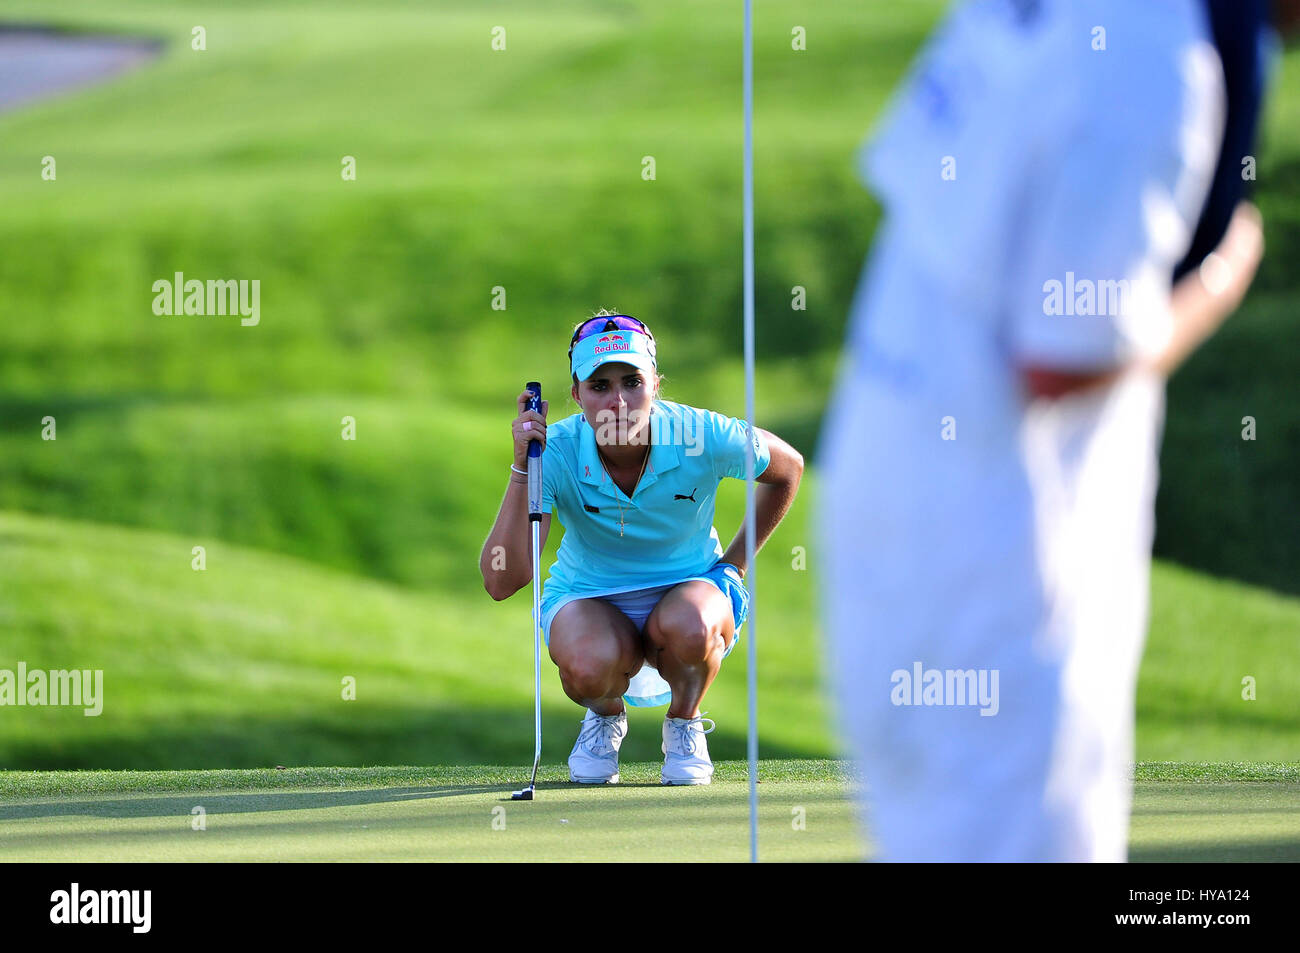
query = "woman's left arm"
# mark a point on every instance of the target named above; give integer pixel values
(777, 485)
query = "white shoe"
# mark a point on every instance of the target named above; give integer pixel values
(686, 753)
(594, 758)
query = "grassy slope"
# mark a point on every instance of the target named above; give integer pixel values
(1206, 636)
(225, 163)
(1184, 812)
(241, 665)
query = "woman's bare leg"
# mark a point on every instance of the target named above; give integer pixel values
(598, 650)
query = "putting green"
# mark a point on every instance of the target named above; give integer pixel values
(416, 814)
(1181, 812)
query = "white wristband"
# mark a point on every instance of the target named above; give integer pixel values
(517, 470)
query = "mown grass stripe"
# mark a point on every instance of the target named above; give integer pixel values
(32, 784)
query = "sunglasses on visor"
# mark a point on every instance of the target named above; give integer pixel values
(609, 322)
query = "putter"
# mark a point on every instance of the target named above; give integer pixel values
(535, 522)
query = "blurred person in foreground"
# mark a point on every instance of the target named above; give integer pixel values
(1063, 225)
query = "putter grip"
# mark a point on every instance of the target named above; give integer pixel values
(534, 456)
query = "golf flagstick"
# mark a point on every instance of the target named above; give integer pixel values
(750, 530)
(535, 523)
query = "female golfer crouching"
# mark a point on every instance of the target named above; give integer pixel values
(642, 604)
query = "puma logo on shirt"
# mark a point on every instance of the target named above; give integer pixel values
(680, 496)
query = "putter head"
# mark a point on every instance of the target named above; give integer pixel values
(525, 795)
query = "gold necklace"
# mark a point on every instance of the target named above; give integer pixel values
(621, 522)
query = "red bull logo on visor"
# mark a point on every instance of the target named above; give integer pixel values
(606, 349)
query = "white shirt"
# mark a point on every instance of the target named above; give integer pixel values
(1021, 544)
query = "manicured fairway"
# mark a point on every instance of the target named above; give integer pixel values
(1181, 813)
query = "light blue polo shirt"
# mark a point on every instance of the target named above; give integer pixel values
(668, 533)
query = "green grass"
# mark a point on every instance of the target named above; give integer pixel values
(25, 784)
(806, 813)
(421, 814)
(375, 293)
(1206, 636)
(225, 163)
(1211, 822)
(1216, 771)
(241, 665)
(476, 169)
